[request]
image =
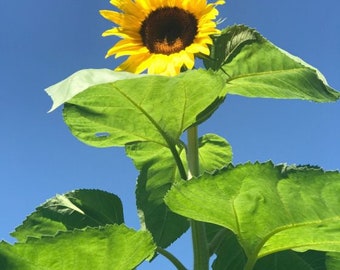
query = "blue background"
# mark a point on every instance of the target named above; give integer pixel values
(44, 41)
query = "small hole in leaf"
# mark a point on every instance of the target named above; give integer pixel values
(102, 134)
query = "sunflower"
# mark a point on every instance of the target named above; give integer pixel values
(161, 36)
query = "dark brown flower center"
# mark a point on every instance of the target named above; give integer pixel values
(168, 30)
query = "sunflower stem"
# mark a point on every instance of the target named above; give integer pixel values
(199, 238)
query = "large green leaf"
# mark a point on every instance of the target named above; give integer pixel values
(254, 67)
(81, 80)
(76, 209)
(150, 108)
(270, 208)
(158, 172)
(109, 247)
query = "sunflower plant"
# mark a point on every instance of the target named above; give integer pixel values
(241, 216)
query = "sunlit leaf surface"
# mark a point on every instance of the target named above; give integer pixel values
(110, 247)
(254, 67)
(151, 108)
(270, 208)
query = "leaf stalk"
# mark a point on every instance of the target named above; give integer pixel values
(171, 258)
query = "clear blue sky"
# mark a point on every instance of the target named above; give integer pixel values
(44, 41)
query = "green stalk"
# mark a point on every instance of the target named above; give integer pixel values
(250, 263)
(171, 258)
(216, 241)
(199, 238)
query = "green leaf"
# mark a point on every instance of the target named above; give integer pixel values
(76, 209)
(229, 253)
(311, 260)
(254, 67)
(151, 108)
(81, 80)
(270, 208)
(158, 172)
(109, 247)
(214, 152)
(333, 261)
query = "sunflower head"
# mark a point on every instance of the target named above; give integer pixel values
(161, 36)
